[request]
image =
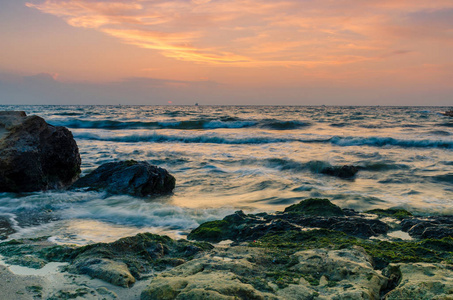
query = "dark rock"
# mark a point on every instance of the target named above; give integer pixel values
(34, 155)
(311, 213)
(346, 171)
(437, 232)
(391, 212)
(120, 263)
(5, 228)
(27, 261)
(127, 259)
(315, 207)
(434, 227)
(128, 177)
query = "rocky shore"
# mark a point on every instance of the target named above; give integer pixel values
(311, 250)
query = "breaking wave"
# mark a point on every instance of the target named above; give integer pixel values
(228, 139)
(182, 125)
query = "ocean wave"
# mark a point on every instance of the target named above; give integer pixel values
(381, 166)
(282, 164)
(439, 132)
(69, 114)
(200, 139)
(283, 125)
(266, 139)
(446, 124)
(388, 141)
(446, 178)
(183, 125)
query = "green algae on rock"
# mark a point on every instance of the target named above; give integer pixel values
(310, 213)
(315, 207)
(391, 212)
(214, 231)
(120, 263)
(382, 252)
(255, 273)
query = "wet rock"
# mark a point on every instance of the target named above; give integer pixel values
(423, 281)
(255, 273)
(29, 261)
(434, 227)
(391, 212)
(346, 171)
(5, 228)
(128, 177)
(437, 232)
(315, 207)
(34, 155)
(114, 272)
(126, 260)
(121, 262)
(310, 213)
(81, 292)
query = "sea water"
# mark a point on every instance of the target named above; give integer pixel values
(251, 158)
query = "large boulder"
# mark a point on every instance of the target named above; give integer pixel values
(34, 155)
(128, 177)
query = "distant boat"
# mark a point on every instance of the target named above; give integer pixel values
(448, 113)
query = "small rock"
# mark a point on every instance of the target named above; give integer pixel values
(346, 171)
(128, 177)
(315, 207)
(29, 261)
(114, 272)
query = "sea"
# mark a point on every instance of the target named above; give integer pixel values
(250, 158)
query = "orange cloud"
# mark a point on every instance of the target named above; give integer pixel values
(256, 33)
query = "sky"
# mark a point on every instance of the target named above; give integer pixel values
(251, 52)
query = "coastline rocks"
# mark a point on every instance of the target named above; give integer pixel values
(429, 228)
(423, 281)
(128, 259)
(114, 272)
(34, 155)
(311, 213)
(128, 177)
(5, 228)
(284, 261)
(254, 273)
(315, 207)
(120, 263)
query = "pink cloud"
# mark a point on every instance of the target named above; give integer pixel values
(256, 33)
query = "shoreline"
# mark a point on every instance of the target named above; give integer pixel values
(262, 256)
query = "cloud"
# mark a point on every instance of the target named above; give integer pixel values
(41, 77)
(257, 33)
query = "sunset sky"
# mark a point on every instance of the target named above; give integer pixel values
(298, 52)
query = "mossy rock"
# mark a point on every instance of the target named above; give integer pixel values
(391, 212)
(315, 207)
(382, 252)
(214, 231)
(27, 261)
